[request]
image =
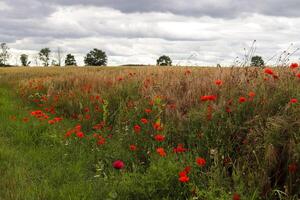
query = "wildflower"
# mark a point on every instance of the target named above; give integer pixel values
(292, 168)
(101, 140)
(51, 122)
(179, 149)
(147, 110)
(137, 129)
(132, 147)
(161, 152)
(251, 94)
(294, 65)
(159, 138)
(208, 98)
(118, 164)
(200, 161)
(184, 179)
(236, 196)
(269, 71)
(293, 100)
(144, 121)
(242, 99)
(298, 75)
(218, 82)
(157, 126)
(58, 119)
(80, 134)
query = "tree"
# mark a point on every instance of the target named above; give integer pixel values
(70, 60)
(24, 60)
(164, 61)
(44, 56)
(4, 54)
(257, 61)
(96, 57)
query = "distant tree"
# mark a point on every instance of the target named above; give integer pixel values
(4, 54)
(70, 60)
(24, 60)
(44, 56)
(96, 57)
(164, 61)
(257, 61)
(54, 63)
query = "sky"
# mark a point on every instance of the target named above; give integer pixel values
(191, 32)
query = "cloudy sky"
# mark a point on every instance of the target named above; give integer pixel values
(191, 32)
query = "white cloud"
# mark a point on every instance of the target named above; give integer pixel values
(142, 37)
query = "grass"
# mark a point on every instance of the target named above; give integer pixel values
(241, 142)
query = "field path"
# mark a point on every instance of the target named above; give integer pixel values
(33, 160)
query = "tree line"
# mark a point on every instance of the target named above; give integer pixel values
(95, 57)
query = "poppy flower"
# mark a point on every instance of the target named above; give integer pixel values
(294, 65)
(147, 110)
(132, 147)
(118, 164)
(293, 100)
(137, 129)
(242, 99)
(51, 122)
(251, 94)
(144, 121)
(218, 82)
(161, 152)
(80, 134)
(179, 149)
(184, 179)
(236, 197)
(101, 140)
(200, 161)
(298, 75)
(208, 98)
(269, 71)
(159, 138)
(157, 126)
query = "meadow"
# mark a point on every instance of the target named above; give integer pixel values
(150, 133)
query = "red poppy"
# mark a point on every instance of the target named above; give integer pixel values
(157, 126)
(161, 152)
(294, 65)
(293, 100)
(147, 110)
(80, 134)
(251, 94)
(137, 129)
(200, 161)
(218, 82)
(208, 98)
(179, 149)
(184, 179)
(132, 147)
(236, 196)
(298, 75)
(118, 164)
(242, 99)
(269, 71)
(101, 140)
(51, 122)
(58, 119)
(159, 138)
(144, 121)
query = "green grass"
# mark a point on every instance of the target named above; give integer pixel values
(33, 160)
